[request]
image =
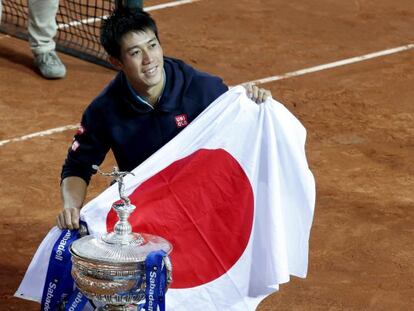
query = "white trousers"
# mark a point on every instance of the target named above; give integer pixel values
(42, 25)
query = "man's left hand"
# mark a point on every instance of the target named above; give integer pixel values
(257, 94)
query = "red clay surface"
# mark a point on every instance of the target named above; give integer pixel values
(360, 122)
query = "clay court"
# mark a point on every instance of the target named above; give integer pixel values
(359, 118)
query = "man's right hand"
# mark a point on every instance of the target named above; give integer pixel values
(73, 191)
(68, 218)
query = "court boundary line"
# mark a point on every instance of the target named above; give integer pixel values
(291, 74)
(40, 134)
(339, 63)
(93, 20)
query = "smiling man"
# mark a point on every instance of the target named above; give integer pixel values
(142, 62)
(151, 99)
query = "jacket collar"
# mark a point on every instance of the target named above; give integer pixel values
(139, 101)
(167, 102)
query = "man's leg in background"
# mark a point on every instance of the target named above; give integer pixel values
(42, 30)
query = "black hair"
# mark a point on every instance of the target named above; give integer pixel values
(120, 22)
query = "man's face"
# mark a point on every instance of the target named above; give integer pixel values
(142, 59)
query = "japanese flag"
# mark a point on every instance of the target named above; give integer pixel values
(234, 195)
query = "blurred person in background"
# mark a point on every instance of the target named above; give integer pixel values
(42, 28)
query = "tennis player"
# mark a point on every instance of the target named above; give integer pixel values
(151, 99)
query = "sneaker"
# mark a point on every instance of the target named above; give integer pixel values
(50, 65)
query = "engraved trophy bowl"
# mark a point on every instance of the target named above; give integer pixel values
(110, 268)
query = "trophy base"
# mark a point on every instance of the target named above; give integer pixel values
(117, 308)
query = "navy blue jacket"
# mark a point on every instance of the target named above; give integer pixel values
(117, 120)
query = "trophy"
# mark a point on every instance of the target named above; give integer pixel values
(110, 268)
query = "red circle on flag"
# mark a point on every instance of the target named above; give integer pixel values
(203, 205)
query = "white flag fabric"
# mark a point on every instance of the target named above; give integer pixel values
(233, 193)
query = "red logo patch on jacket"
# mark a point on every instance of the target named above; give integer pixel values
(181, 120)
(80, 130)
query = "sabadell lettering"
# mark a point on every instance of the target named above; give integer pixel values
(75, 303)
(61, 246)
(50, 293)
(153, 275)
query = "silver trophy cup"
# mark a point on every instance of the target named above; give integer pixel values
(110, 268)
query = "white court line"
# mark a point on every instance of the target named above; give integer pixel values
(93, 20)
(334, 64)
(258, 81)
(39, 134)
(168, 5)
